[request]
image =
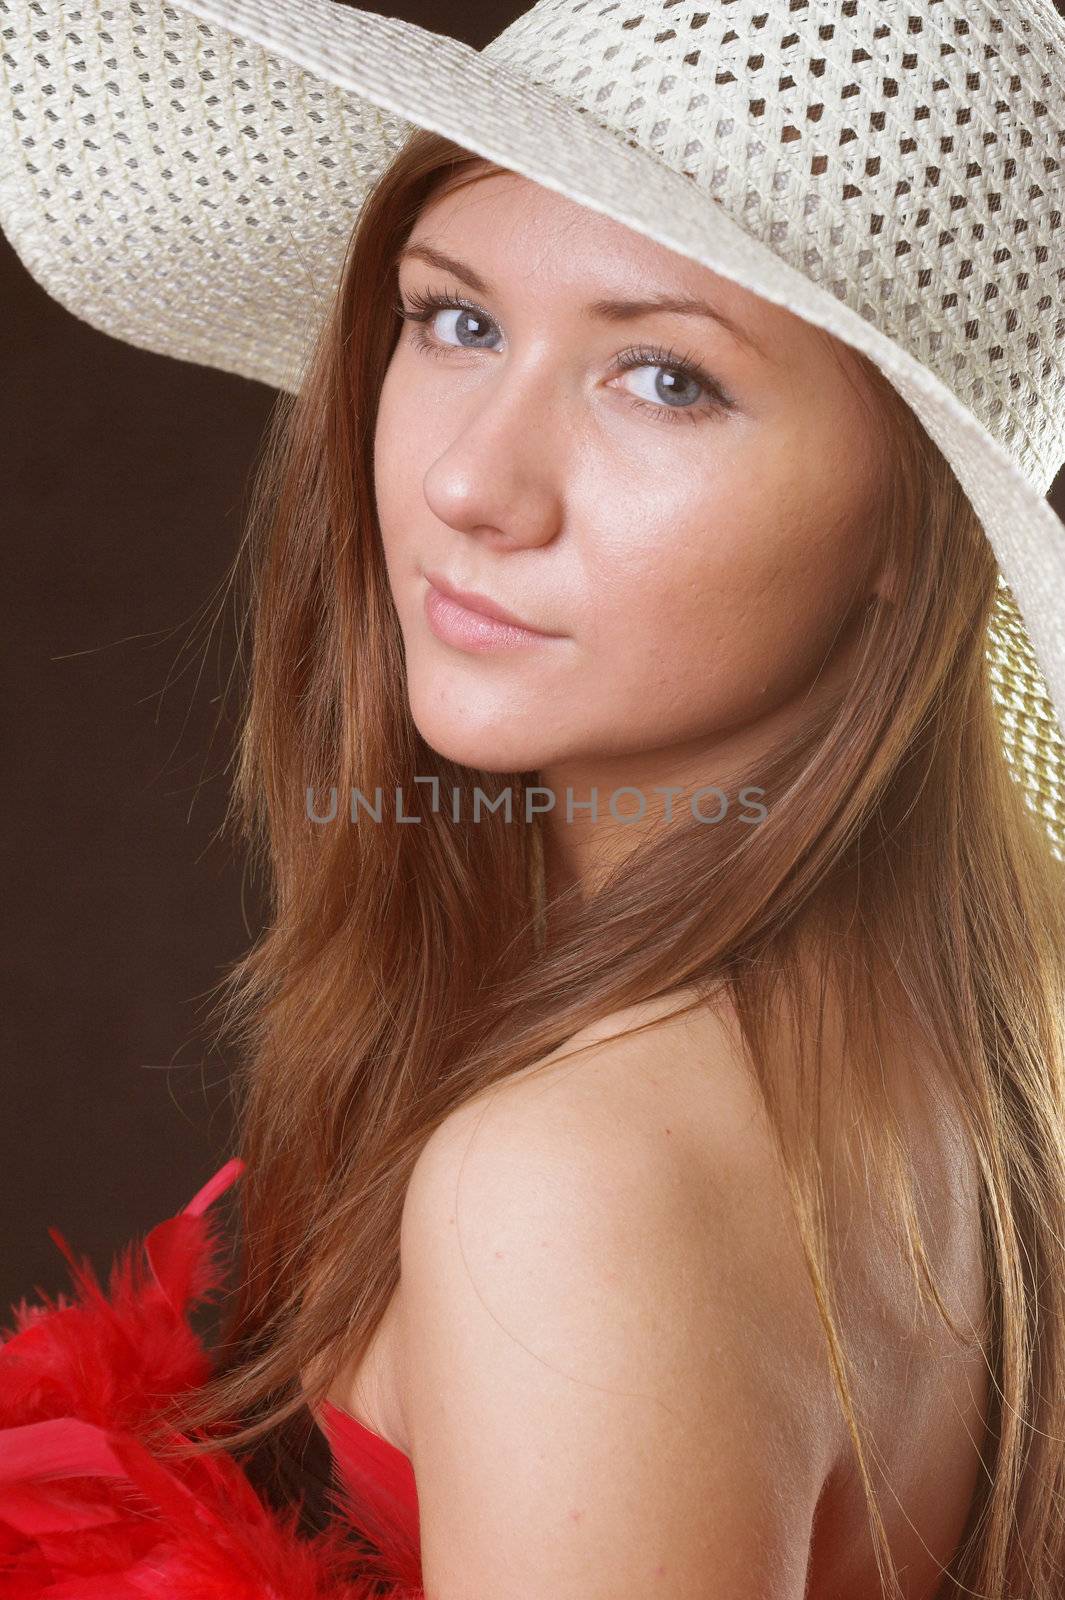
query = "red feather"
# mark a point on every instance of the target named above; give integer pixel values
(87, 1512)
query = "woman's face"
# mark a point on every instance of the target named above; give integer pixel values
(694, 545)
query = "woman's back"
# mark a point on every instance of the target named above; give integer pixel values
(926, 1396)
(923, 1399)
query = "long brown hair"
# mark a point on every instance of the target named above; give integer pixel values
(898, 874)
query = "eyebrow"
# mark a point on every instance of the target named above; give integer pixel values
(604, 310)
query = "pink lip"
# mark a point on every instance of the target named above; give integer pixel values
(473, 622)
(479, 603)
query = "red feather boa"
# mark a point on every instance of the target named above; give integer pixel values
(86, 1511)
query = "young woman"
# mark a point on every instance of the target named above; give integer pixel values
(653, 1102)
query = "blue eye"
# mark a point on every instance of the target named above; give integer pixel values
(683, 375)
(678, 375)
(469, 324)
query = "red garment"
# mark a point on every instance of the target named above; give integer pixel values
(88, 1513)
(380, 1478)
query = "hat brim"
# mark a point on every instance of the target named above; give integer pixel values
(118, 152)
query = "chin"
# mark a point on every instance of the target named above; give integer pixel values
(483, 747)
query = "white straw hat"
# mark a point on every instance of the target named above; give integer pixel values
(185, 176)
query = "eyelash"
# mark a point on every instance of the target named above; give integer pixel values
(424, 306)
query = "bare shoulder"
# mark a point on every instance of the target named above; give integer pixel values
(642, 1121)
(609, 1352)
(618, 1077)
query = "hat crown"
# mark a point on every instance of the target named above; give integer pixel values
(906, 157)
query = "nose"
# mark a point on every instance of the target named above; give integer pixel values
(500, 477)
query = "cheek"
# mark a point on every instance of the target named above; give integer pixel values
(403, 454)
(392, 469)
(726, 607)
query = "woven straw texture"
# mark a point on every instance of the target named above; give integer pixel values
(186, 176)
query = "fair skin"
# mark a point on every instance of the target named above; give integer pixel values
(603, 1357)
(603, 1397)
(604, 1361)
(705, 568)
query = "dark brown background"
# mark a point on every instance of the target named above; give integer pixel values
(123, 483)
